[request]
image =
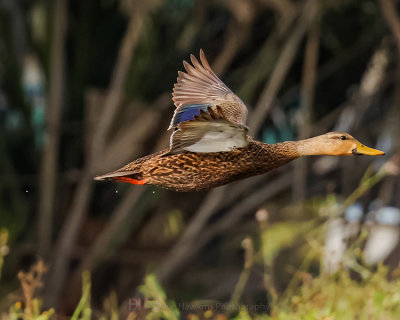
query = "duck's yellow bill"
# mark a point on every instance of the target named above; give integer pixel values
(361, 149)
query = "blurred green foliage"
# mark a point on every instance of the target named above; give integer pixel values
(339, 296)
(156, 300)
(83, 311)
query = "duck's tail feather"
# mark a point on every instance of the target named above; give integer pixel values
(133, 177)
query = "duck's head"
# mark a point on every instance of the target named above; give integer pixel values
(335, 144)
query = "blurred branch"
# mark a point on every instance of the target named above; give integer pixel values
(116, 89)
(249, 204)
(183, 248)
(238, 31)
(119, 217)
(309, 77)
(93, 103)
(395, 112)
(332, 66)
(352, 111)
(132, 135)
(67, 238)
(283, 7)
(391, 131)
(389, 11)
(305, 114)
(104, 240)
(128, 142)
(282, 67)
(262, 65)
(371, 83)
(229, 219)
(391, 167)
(10, 181)
(248, 246)
(196, 235)
(19, 38)
(48, 170)
(193, 26)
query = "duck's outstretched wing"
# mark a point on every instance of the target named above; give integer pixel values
(208, 132)
(198, 89)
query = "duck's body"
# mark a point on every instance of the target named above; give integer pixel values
(188, 171)
(210, 147)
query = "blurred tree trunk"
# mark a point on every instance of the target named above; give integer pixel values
(282, 66)
(48, 170)
(307, 105)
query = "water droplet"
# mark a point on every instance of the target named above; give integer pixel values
(26, 191)
(154, 192)
(116, 191)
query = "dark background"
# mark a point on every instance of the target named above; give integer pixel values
(85, 87)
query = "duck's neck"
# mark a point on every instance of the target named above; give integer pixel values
(276, 155)
(280, 153)
(300, 148)
(311, 147)
(272, 156)
(287, 149)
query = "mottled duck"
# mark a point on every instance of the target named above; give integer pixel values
(209, 144)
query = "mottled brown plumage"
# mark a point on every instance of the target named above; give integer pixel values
(189, 171)
(210, 147)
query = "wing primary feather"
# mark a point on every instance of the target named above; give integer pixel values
(199, 85)
(195, 62)
(204, 61)
(201, 69)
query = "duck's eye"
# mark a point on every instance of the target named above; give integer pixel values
(343, 137)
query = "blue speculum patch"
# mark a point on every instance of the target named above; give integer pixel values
(187, 113)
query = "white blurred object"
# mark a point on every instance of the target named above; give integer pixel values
(339, 234)
(338, 237)
(381, 242)
(354, 213)
(384, 235)
(33, 82)
(335, 246)
(388, 216)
